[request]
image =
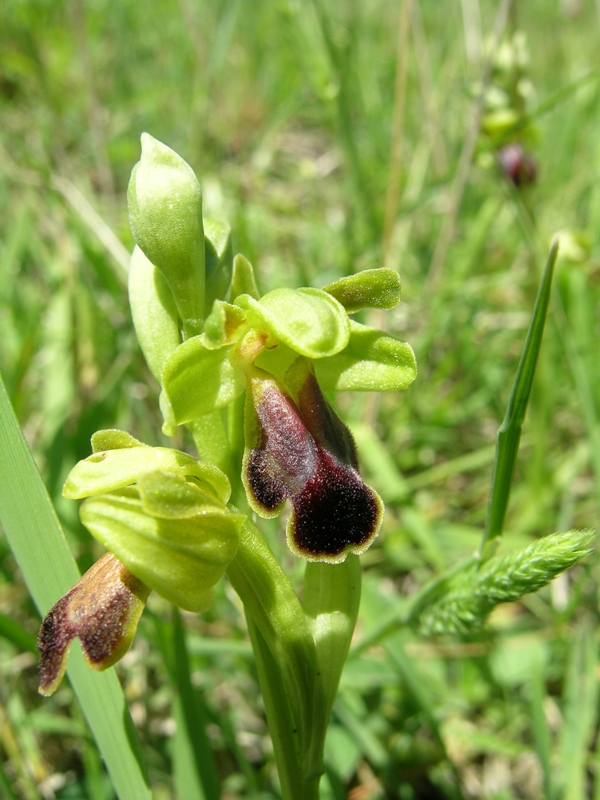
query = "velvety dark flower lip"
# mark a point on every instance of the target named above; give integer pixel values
(102, 609)
(335, 513)
(299, 449)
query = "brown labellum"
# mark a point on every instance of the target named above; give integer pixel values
(102, 609)
(297, 448)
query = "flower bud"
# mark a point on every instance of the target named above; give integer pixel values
(165, 214)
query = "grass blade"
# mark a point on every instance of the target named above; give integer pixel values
(509, 434)
(580, 715)
(194, 766)
(39, 546)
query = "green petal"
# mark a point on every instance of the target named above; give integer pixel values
(218, 258)
(113, 439)
(243, 280)
(372, 288)
(224, 325)
(372, 362)
(168, 495)
(114, 469)
(198, 380)
(181, 559)
(309, 321)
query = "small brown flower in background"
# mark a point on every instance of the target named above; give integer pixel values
(517, 165)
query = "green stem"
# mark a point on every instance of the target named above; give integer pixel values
(296, 784)
(299, 653)
(286, 655)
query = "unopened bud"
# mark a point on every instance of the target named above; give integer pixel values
(165, 213)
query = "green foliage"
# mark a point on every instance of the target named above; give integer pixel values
(470, 596)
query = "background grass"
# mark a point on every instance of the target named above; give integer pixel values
(292, 114)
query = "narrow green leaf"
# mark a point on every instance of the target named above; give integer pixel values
(194, 766)
(540, 730)
(39, 546)
(509, 434)
(154, 312)
(580, 715)
(218, 258)
(243, 280)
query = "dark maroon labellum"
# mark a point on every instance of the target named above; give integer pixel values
(335, 511)
(300, 450)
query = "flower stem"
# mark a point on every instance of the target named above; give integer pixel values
(287, 663)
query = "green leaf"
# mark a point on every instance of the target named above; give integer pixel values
(371, 288)
(194, 767)
(372, 362)
(197, 380)
(181, 559)
(509, 434)
(40, 548)
(331, 597)
(309, 321)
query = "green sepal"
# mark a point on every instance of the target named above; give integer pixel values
(108, 470)
(224, 325)
(165, 214)
(197, 380)
(218, 258)
(169, 426)
(309, 321)
(154, 312)
(372, 362)
(243, 280)
(371, 288)
(181, 559)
